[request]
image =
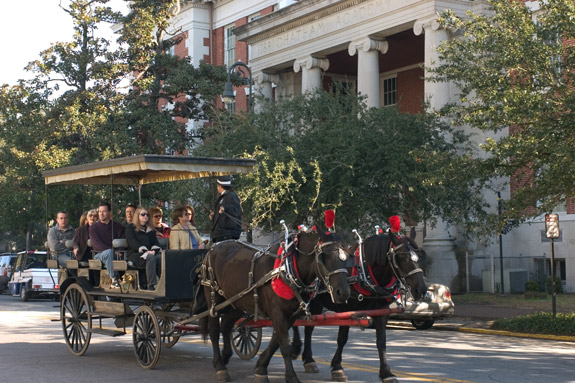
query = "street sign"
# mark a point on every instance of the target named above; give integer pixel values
(551, 225)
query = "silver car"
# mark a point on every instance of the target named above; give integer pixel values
(436, 304)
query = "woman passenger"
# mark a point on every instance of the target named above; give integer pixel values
(80, 241)
(162, 229)
(184, 235)
(143, 246)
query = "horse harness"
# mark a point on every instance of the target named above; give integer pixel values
(366, 283)
(287, 271)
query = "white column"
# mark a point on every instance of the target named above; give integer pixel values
(367, 50)
(439, 242)
(263, 85)
(437, 93)
(311, 68)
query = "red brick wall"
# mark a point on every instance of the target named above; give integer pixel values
(570, 205)
(410, 92)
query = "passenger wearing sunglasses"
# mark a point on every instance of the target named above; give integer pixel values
(162, 229)
(81, 250)
(184, 235)
(143, 246)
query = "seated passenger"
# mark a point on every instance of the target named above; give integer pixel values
(57, 237)
(102, 234)
(143, 246)
(162, 229)
(184, 235)
(81, 250)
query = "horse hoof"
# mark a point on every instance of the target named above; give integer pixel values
(311, 368)
(223, 376)
(261, 379)
(338, 376)
(391, 379)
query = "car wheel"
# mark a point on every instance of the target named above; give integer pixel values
(24, 294)
(422, 324)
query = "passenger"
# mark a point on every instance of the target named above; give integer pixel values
(84, 219)
(184, 235)
(130, 209)
(81, 250)
(57, 237)
(102, 233)
(227, 214)
(162, 229)
(143, 246)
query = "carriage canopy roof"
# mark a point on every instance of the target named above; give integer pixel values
(146, 169)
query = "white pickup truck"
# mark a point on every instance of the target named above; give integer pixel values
(31, 278)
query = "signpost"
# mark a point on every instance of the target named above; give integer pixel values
(552, 232)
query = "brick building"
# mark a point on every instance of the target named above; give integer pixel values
(378, 48)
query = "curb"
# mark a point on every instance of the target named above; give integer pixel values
(564, 338)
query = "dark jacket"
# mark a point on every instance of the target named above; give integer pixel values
(81, 242)
(140, 241)
(102, 234)
(227, 225)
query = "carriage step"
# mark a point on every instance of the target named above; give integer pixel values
(105, 308)
(104, 331)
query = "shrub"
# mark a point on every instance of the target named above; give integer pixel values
(540, 323)
(532, 286)
(558, 285)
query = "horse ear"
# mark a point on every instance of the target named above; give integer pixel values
(314, 229)
(412, 233)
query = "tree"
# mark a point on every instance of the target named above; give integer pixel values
(514, 68)
(327, 150)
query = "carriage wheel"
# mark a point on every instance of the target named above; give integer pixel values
(146, 337)
(167, 330)
(76, 319)
(246, 341)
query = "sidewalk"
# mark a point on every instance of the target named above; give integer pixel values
(479, 318)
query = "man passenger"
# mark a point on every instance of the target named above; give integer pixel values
(130, 209)
(102, 233)
(57, 237)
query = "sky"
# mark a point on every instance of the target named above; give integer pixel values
(27, 28)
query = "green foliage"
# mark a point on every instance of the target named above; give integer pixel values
(540, 323)
(532, 286)
(327, 151)
(558, 285)
(514, 70)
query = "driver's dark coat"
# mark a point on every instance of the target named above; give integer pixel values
(228, 224)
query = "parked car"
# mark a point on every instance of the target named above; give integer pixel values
(436, 304)
(7, 263)
(32, 278)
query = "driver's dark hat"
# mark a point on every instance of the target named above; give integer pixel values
(225, 181)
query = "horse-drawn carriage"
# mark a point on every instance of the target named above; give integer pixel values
(238, 279)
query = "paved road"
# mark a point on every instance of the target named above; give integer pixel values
(32, 349)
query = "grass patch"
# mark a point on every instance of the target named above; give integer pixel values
(540, 323)
(565, 302)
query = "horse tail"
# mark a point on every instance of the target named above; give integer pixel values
(203, 323)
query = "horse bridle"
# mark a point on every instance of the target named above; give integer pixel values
(324, 274)
(392, 256)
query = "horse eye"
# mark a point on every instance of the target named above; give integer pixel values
(342, 255)
(414, 256)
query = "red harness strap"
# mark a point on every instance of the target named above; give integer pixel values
(357, 285)
(278, 285)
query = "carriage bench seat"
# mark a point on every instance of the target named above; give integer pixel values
(74, 264)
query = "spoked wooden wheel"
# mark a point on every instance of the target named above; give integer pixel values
(169, 338)
(76, 320)
(246, 341)
(146, 337)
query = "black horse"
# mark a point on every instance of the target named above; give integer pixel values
(232, 268)
(387, 261)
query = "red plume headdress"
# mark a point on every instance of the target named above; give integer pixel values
(395, 223)
(329, 219)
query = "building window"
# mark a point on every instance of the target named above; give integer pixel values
(389, 91)
(230, 46)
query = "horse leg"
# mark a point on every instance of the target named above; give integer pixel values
(337, 372)
(296, 343)
(308, 362)
(214, 329)
(227, 325)
(385, 373)
(261, 369)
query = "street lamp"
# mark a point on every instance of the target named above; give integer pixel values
(228, 96)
